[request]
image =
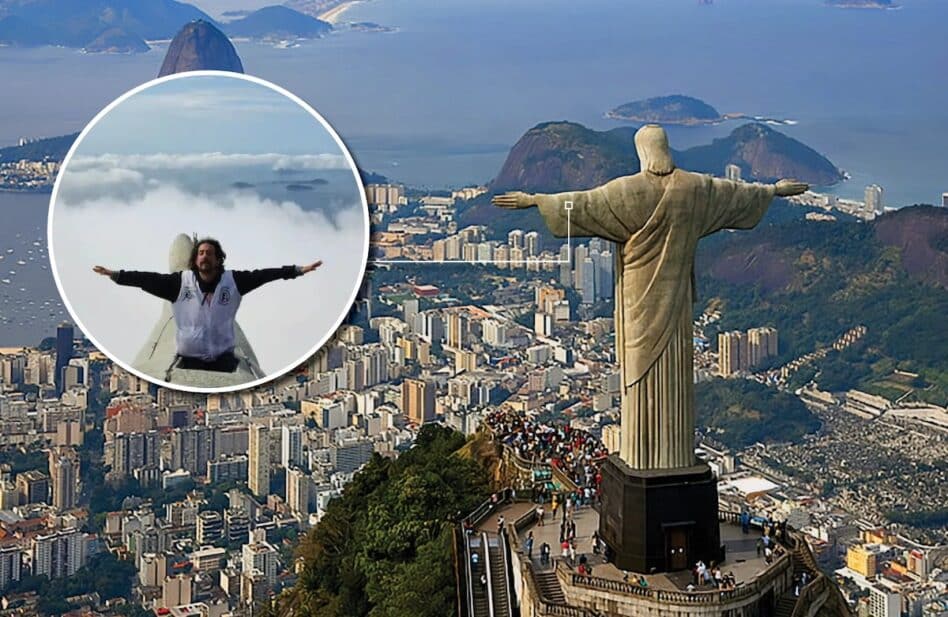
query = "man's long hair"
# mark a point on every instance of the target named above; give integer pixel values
(218, 250)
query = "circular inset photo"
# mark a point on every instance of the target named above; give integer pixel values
(208, 231)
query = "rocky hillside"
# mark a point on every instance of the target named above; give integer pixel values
(200, 45)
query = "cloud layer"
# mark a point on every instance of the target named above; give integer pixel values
(129, 224)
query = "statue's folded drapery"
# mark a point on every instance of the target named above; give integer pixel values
(657, 221)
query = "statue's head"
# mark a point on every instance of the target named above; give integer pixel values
(651, 144)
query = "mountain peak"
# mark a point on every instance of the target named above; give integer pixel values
(199, 45)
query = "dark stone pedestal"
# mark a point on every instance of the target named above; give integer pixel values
(663, 520)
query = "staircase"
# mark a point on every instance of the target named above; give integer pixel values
(549, 587)
(785, 606)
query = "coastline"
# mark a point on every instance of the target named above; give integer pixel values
(334, 14)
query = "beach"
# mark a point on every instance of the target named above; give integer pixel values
(334, 14)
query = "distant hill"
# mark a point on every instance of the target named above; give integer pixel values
(764, 155)
(200, 46)
(117, 40)
(674, 109)
(277, 22)
(78, 23)
(817, 280)
(54, 148)
(561, 156)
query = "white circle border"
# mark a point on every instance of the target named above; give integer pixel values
(365, 248)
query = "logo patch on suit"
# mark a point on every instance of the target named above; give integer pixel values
(225, 295)
(188, 294)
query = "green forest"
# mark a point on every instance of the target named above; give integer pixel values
(740, 412)
(384, 547)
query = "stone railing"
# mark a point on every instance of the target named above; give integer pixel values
(808, 596)
(712, 597)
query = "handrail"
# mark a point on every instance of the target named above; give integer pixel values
(490, 590)
(470, 581)
(508, 570)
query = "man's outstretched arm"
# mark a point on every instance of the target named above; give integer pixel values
(248, 280)
(165, 286)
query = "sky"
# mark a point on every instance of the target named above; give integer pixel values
(208, 114)
(129, 189)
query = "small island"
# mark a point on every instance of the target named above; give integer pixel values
(674, 109)
(681, 110)
(299, 187)
(242, 185)
(862, 4)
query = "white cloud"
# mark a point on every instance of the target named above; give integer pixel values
(283, 320)
(79, 165)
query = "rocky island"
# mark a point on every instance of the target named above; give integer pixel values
(680, 110)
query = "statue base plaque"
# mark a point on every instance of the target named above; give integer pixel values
(659, 520)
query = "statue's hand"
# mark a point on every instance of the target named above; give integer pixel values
(513, 200)
(787, 188)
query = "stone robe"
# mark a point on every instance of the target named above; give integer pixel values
(657, 220)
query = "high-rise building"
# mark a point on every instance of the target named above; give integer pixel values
(228, 468)
(579, 258)
(64, 476)
(874, 199)
(210, 527)
(64, 339)
(131, 451)
(260, 555)
(254, 588)
(410, 309)
(299, 491)
(944, 200)
(587, 287)
(418, 400)
(291, 446)
(761, 344)
(192, 448)
(258, 470)
(59, 554)
(732, 172)
(532, 243)
(605, 275)
(458, 330)
(33, 486)
(566, 267)
(515, 239)
(236, 525)
(349, 456)
(11, 562)
(543, 324)
(176, 590)
(732, 349)
(494, 332)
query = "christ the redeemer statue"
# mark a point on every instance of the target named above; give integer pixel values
(657, 217)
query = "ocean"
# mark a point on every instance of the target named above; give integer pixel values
(440, 101)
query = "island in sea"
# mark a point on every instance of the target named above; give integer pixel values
(863, 4)
(681, 110)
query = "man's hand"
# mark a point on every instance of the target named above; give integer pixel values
(310, 267)
(514, 200)
(787, 188)
(102, 271)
